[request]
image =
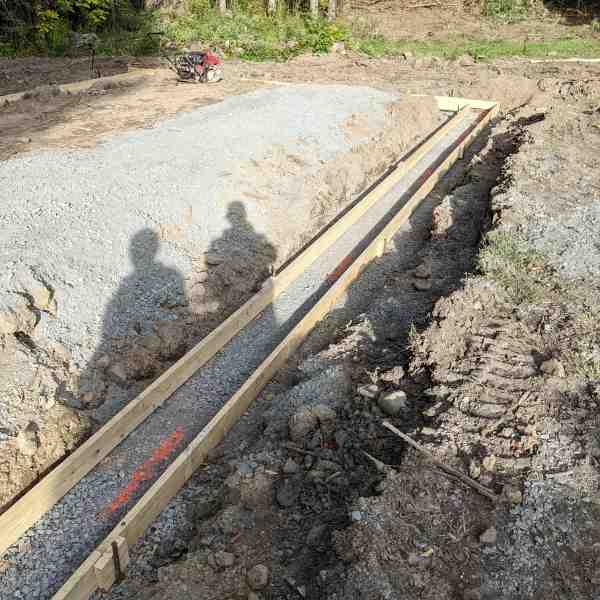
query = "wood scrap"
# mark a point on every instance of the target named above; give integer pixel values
(450, 470)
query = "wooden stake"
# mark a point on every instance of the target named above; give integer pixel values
(451, 470)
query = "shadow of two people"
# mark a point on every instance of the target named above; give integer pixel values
(150, 319)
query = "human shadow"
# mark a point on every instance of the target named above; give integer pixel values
(138, 330)
(157, 314)
(234, 267)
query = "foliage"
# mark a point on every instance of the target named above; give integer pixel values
(255, 36)
(507, 9)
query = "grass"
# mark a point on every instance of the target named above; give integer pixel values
(377, 46)
(519, 270)
(524, 276)
(258, 37)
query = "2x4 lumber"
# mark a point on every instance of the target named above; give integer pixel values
(86, 84)
(137, 520)
(45, 494)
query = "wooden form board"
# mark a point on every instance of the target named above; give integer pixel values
(84, 581)
(44, 495)
(86, 84)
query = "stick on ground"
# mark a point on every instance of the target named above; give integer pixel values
(454, 472)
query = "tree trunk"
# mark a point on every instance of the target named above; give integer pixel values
(271, 7)
(332, 13)
(341, 5)
(222, 7)
(314, 8)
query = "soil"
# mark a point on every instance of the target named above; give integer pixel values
(450, 24)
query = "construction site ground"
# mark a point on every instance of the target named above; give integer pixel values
(476, 334)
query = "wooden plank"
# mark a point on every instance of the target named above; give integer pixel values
(86, 84)
(85, 585)
(105, 571)
(449, 103)
(45, 494)
(136, 521)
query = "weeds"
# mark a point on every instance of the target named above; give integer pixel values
(518, 269)
(510, 10)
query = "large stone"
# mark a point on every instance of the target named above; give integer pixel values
(393, 403)
(28, 440)
(28, 283)
(301, 423)
(489, 536)
(224, 559)
(370, 391)
(16, 316)
(553, 367)
(258, 577)
(173, 337)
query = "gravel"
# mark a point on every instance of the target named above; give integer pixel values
(75, 525)
(72, 214)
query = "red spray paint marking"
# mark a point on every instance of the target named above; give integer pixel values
(339, 270)
(145, 472)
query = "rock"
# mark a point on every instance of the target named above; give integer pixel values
(422, 285)
(118, 373)
(31, 285)
(338, 48)
(253, 596)
(393, 403)
(301, 423)
(553, 367)
(489, 536)
(315, 535)
(224, 559)
(258, 577)
(423, 271)
(513, 494)
(308, 418)
(356, 516)
(213, 259)
(28, 440)
(288, 491)
(474, 470)
(16, 316)
(291, 467)
(407, 54)
(489, 463)
(466, 60)
(173, 337)
(326, 417)
(370, 391)
(472, 594)
(394, 375)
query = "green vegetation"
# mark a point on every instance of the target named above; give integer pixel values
(257, 36)
(507, 9)
(45, 26)
(526, 279)
(519, 270)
